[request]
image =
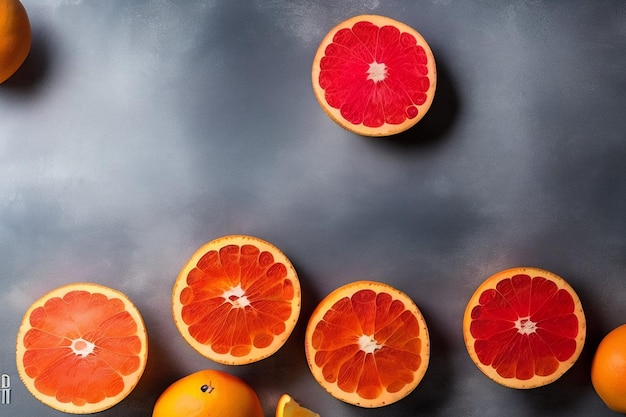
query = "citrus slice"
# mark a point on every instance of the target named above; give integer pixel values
(208, 393)
(374, 76)
(236, 300)
(608, 369)
(367, 344)
(288, 407)
(524, 327)
(15, 37)
(81, 348)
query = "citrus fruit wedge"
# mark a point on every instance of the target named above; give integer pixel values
(374, 76)
(367, 344)
(524, 327)
(81, 348)
(15, 37)
(288, 407)
(236, 300)
(208, 393)
(608, 369)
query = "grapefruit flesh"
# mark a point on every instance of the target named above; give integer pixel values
(524, 327)
(81, 348)
(367, 344)
(237, 300)
(374, 76)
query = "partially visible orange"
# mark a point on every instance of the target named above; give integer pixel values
(288, 407)
(237, 299)
(374, 75)
(524, 327)
(367, 344)
(208, 393)
(81, 348)
(15, 37)
(608, 369)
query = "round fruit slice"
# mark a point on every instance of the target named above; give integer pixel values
(237, 300)
(524, 327)
(288, 407)
(367, 344)
(208, 393)
(81, 348)
(374, 76)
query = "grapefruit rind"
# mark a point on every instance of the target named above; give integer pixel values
(129, 381)
(256, 353)
(419, 337)
(536, 380)
(386, 129)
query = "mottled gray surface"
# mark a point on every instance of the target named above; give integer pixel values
(138, 130)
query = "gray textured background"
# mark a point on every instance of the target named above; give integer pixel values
(138, 130)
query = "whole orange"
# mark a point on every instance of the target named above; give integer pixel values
(15, 37)
(208, 393)
(608, 369)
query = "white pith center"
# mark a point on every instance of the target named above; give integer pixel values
(82, 347)
(525, 326)
(368, 344)
(236, 296)
(377, 71)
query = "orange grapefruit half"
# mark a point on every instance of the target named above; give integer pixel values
(81, 348)
(236, 300)
(367, 344)
(374, 76)
(524, 327)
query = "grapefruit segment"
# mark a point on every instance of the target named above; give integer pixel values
(236, 300)
(524, 327)
(81, 348)
(288, 407)
(374, 76)
(367, 344)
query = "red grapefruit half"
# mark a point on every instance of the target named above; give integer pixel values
(374, 76)
(524, 327)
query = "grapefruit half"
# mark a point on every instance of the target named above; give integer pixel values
(374, 76)
(524, 327)
(237, 299)
(81, 348)
(367, 344)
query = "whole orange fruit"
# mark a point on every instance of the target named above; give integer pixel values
(15, 37)
(208, 393)
(608, 369)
